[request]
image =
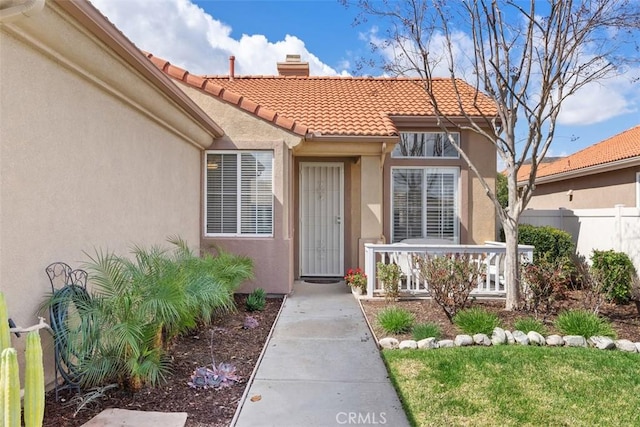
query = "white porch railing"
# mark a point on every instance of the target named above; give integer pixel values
(491, 254)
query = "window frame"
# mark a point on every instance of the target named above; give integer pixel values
(425, 170)
(239, 183)
(457, 154)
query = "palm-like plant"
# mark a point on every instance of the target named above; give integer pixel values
(139, 302)
(207, 283)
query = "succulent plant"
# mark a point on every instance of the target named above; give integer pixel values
(5, 338)
(256, 300)
(250, 322)
(34, 382)
(223, 375)
(10, 411)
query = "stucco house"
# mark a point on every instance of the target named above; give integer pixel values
(98, 149)
(103, 146)
(312, 168)
(600, 176)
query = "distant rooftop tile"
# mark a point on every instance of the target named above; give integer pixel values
(624, 145)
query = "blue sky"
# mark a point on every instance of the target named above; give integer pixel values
(200, 35)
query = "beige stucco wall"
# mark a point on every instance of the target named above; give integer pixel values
(273, 257)
(83, 166)
(371, 197)
(603, 190)
(480, 210)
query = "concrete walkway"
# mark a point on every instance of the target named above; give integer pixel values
(321, 367)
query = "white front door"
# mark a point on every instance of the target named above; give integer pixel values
(321, 219)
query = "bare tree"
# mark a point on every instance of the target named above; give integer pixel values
(527, 57)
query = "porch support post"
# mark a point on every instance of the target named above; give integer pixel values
(370, 268)
(371, 197)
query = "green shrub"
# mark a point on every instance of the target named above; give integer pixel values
(616, 272)
(395, 320)
(256, 300)
(550, 243)
(389, 275)
(543, 284)
(426, 330)
(476, 320)
(139, 303)
(584, 323)
(451, 278)
(528, 324)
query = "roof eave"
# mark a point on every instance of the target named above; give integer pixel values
(93, 20)
(319, 137)
(404, 120)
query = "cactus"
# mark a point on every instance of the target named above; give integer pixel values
(11, 388)
(10, 413)
(34, 382)
(5, 338)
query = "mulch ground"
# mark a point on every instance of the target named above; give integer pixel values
(231, 344)
(624, 318)
(242, 347)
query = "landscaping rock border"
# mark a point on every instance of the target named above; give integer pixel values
(505, 337)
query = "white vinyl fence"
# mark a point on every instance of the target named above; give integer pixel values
(617, 228)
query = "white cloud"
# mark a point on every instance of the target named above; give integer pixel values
(600, 101)
(184, 34)
(406, 58)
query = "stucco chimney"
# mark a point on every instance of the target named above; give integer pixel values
(232, 67)
(293, 66)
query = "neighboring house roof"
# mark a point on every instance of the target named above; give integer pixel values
(93, 20)
(618, 151)
(336, 106)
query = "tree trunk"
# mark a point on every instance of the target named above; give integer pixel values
(512, 266)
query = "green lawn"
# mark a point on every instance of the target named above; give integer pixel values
(517, 386)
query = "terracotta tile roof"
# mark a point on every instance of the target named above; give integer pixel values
(624, 145)
(333, 105)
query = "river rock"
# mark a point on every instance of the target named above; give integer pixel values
(408, 344)
(389, 343)
(602, 343)
(535, 338)
(463, 340)
(482, 339)
(555, 341)
(520, 337)
(428, 343)
(510, 339)
(575, 341)
(498, 337)
(626, 345)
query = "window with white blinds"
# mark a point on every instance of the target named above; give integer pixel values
(424, 204)
(239, 193)
(427, 145)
